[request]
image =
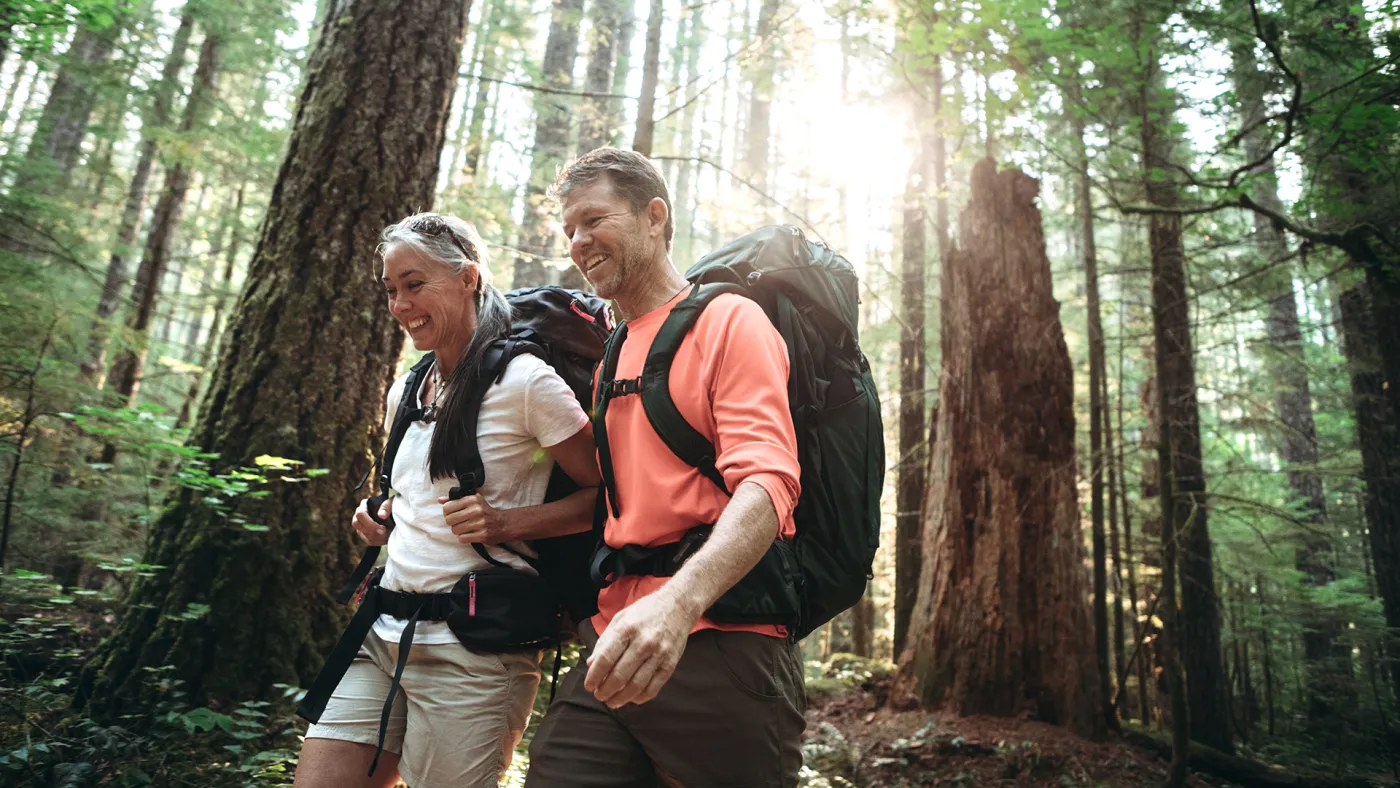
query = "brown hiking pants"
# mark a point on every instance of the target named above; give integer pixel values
(729, 717)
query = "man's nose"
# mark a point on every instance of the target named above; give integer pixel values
(578, 242)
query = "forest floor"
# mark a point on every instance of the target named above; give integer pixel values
(854, 739)
(869, 746)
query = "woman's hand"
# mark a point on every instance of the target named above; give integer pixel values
(372, 533)
(472, 519)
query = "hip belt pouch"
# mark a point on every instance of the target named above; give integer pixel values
(499, 610)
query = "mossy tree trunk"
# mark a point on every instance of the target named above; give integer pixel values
(309, 352)
(1001, 625)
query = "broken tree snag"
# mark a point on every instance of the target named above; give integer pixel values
(1001, 625)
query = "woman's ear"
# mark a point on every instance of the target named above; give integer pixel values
(471, 278)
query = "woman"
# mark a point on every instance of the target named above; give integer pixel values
(460, 713)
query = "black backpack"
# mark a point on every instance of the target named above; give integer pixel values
(566, 329)
(810, 293)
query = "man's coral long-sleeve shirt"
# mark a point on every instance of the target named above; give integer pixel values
(729, 381)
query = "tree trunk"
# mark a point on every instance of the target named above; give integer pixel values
(311, 351)
(551, 142)
(596, 114)
(1115, 552)
(651, 67)
(475, 143)
(1000, 626)
(58, 137)
(221, 294)
(1184, 512)
(1098, 412)
(159, 117)
(912, 468)
(761, 77)
(1144, 707)
(124, 378)
(1379, 436)
(621, 71)
(1297, 438)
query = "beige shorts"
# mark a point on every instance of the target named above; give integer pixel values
(456, 719)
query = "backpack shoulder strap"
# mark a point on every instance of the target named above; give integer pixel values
(682, 439)
(603, 392)
(471, 470)
(408, 411)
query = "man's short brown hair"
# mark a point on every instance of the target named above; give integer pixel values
(633, 176)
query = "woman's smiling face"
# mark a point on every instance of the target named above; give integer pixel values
(433, 304)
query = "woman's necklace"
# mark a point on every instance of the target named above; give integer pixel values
(430, 412)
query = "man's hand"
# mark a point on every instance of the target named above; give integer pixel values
(472, 519)
(370, 532)
(638, 652)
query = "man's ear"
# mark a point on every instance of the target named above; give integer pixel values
(657, 214)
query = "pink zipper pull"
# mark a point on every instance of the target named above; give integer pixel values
(573, 305)
(471, 594)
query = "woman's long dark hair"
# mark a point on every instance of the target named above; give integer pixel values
(492, 323)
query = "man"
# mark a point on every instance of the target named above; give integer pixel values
(665, 696)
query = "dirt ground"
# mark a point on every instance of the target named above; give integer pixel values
(880, 747)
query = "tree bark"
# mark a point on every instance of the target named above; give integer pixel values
(1001, 625)
(310, 352)
(551, 142)
(651, 67)
(1184, 504)
(124, 378)
(1379, 436)
(911, 471)
(58, 137)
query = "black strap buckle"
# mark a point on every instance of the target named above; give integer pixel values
(622, 388)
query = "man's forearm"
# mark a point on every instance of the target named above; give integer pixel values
(568, 515)
(739, 539)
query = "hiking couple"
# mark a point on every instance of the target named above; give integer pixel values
(662, 695)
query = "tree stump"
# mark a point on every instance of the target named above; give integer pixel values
(1001, 625)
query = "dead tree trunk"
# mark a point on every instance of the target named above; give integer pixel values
(1001, 625)
(310, 352)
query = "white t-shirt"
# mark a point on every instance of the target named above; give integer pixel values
(530, 409)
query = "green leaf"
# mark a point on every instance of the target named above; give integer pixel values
(255, 527)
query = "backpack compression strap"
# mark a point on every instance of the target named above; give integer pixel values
(408, 412)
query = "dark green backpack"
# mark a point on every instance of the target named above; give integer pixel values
(810, 294)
